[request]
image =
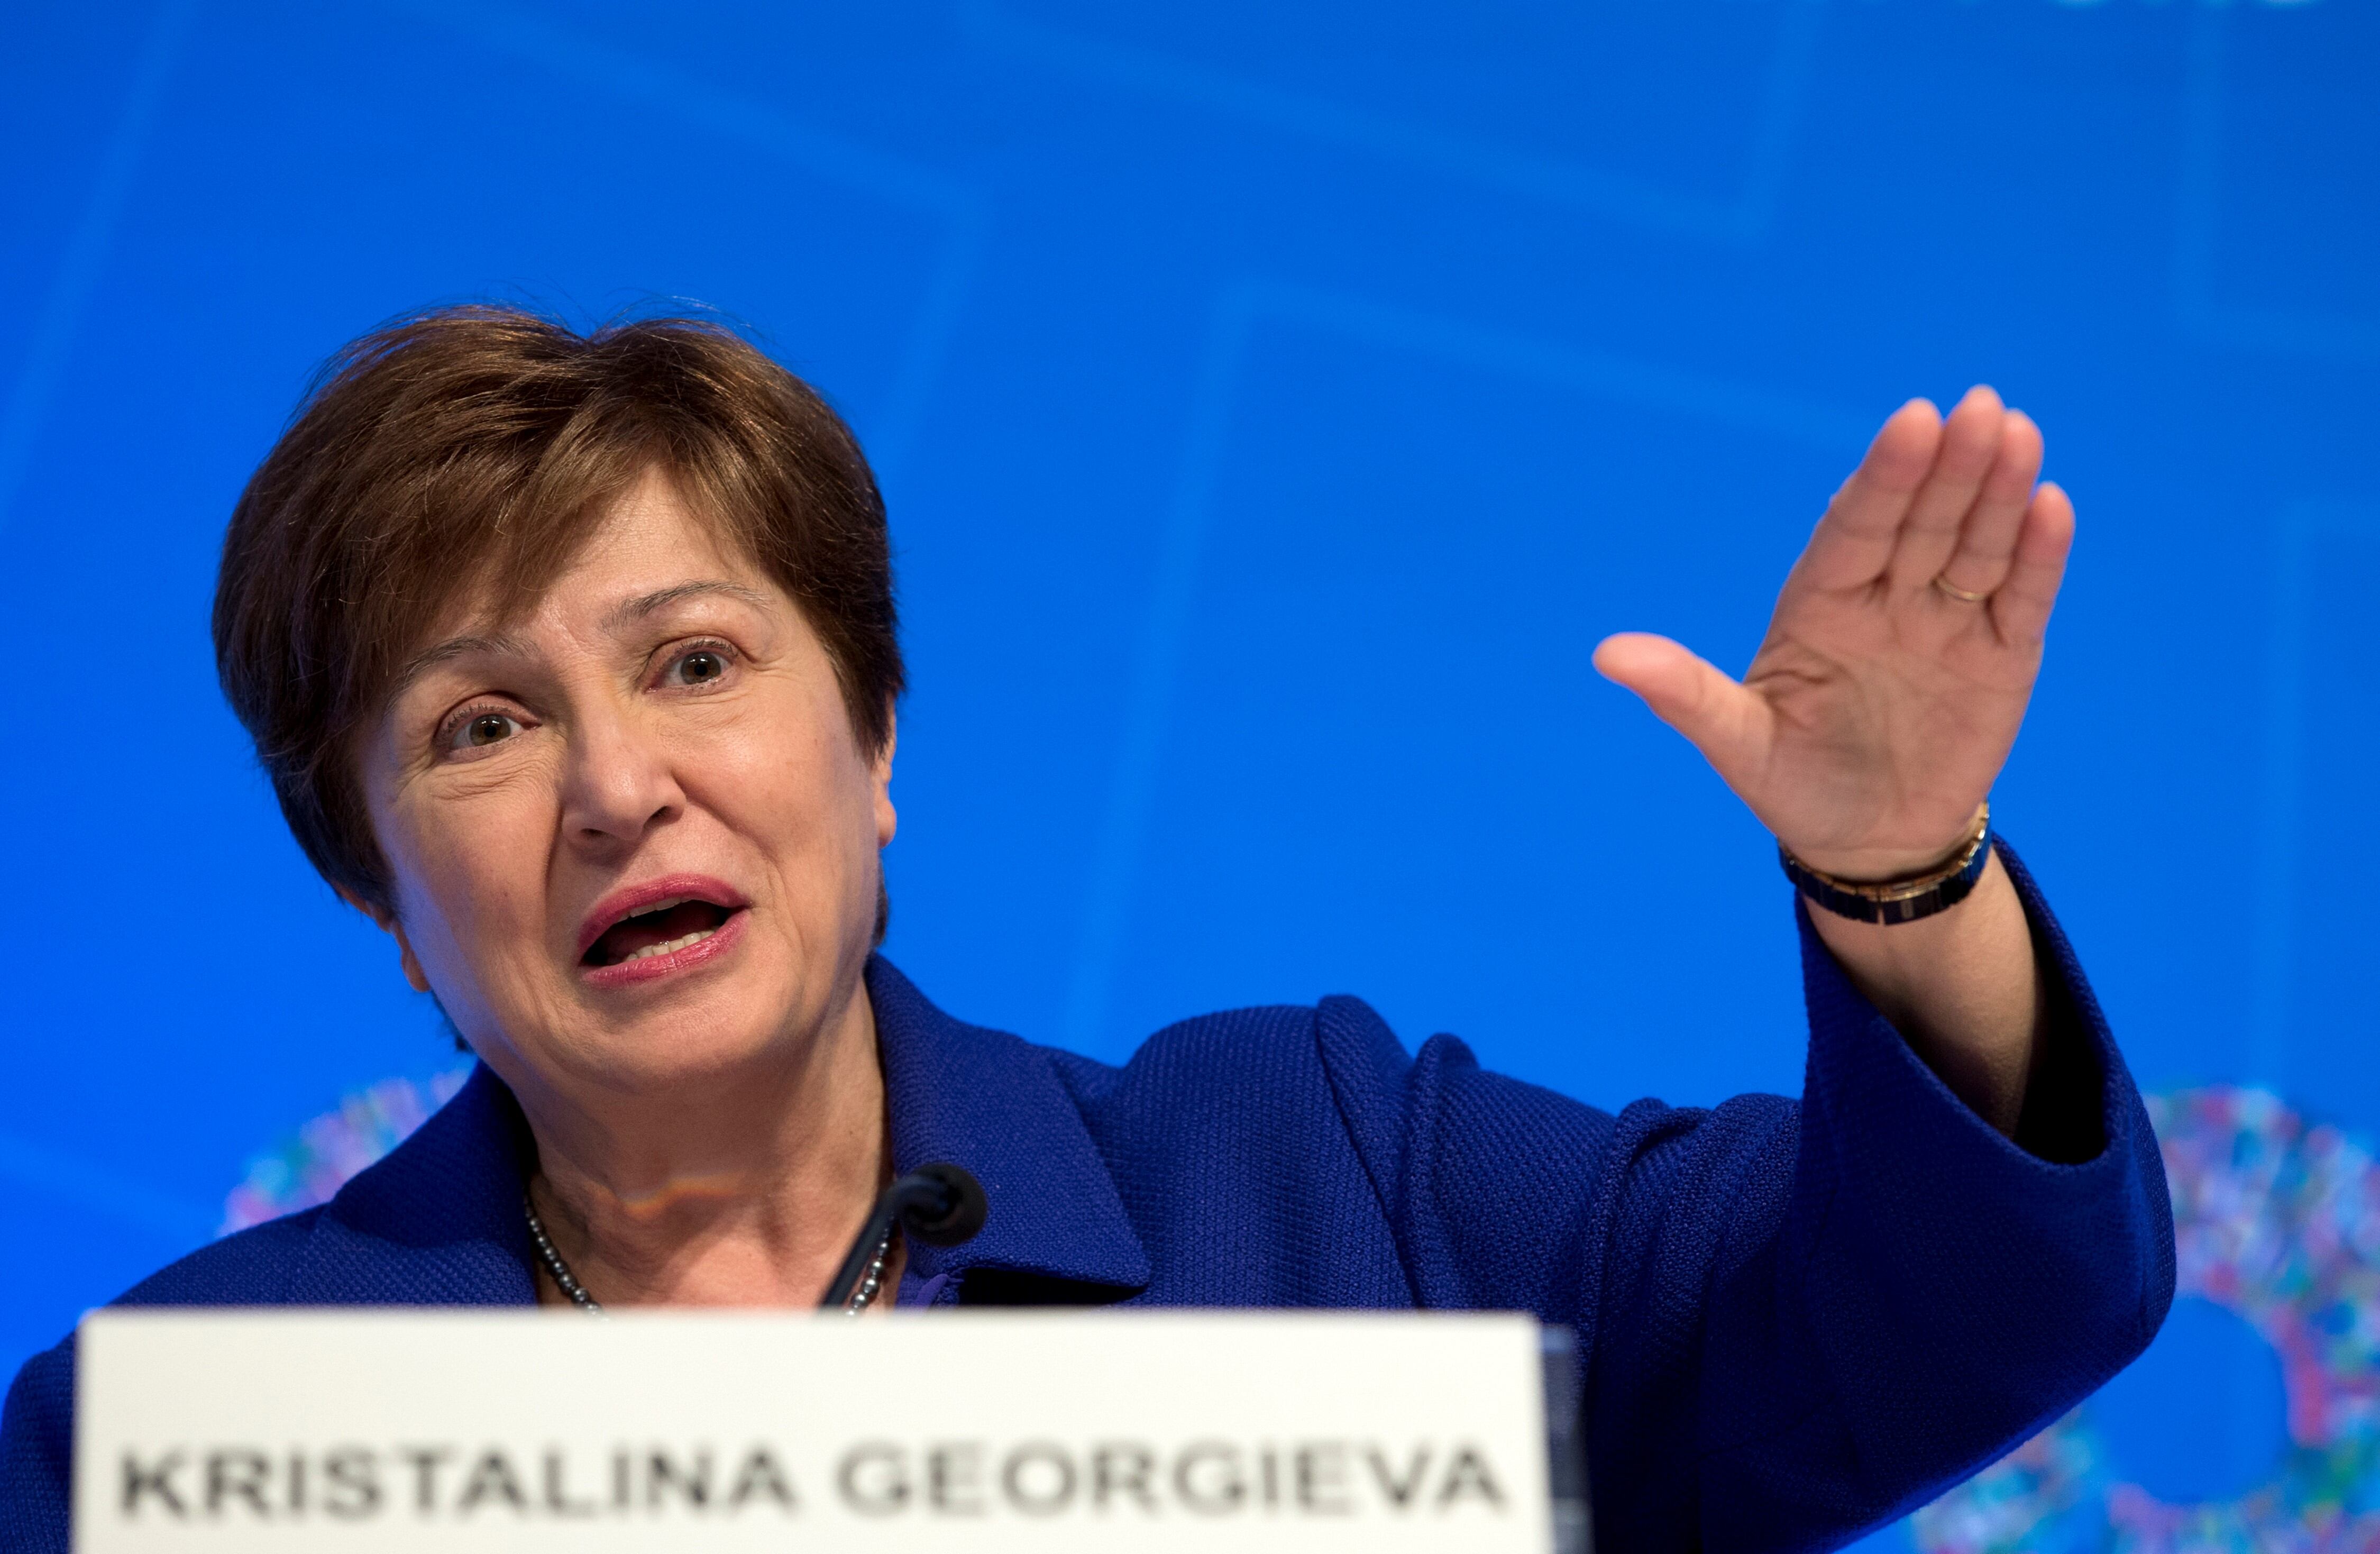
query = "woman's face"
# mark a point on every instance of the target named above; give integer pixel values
(632, 836)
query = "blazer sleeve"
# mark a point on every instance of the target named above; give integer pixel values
(1798, 1321)
(36, 1451)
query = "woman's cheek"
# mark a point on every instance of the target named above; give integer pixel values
(478, 863)
(785, 793)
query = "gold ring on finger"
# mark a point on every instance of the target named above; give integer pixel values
(1955, 591)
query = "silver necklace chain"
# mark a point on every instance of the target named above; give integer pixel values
(567, 1283)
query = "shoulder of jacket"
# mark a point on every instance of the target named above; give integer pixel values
(247, 1267)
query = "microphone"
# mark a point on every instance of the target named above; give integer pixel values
(940, 1205)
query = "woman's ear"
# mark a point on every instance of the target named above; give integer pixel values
(882, 768)
(385, 920)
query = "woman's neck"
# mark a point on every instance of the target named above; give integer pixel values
(746, 1190)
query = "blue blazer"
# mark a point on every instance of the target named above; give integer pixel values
(1796, 1320)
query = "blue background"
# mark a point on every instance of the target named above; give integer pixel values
(1275, 405)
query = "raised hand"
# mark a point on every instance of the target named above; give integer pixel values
(1903, 650)
(1877, 714)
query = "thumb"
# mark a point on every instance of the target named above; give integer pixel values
(1726, 722)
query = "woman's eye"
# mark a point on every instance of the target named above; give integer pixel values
(482, 729)
(700, 667)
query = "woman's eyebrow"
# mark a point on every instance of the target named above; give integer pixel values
(631, 610)
(447, 651)
(626, 613)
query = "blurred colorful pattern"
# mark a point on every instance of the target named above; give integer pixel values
(2276, 1220)
(316, 1160)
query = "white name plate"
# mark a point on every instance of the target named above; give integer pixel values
(459, 1430)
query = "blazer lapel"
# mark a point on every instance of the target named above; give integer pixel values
(1057, 1232)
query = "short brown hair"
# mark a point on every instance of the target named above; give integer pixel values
(471, 447)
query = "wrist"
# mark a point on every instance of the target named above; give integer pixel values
(1883, 866)
(1939, 883)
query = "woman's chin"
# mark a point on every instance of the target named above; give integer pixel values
(692, 1051)
(721, 1027)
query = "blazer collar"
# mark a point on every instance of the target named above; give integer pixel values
(438, 1220)
(990, 1102)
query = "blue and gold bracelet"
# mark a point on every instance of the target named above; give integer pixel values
(1898, 900)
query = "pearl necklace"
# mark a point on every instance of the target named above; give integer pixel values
(567, 1282)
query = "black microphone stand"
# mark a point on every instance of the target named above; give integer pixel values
(940, 1205)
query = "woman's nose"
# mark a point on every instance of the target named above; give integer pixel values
(617, 781)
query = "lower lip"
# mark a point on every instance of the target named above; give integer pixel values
(645, 969)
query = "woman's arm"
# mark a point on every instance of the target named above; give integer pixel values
(1801, 1319)
(36, 1453)
(1880, 707)
(1962, 986)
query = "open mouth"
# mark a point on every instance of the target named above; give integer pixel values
(660, 928)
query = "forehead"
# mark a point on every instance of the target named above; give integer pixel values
(648, 540)
(650, 537)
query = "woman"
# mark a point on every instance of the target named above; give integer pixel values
(573, 663)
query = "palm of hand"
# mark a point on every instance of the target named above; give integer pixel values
(1881, 706)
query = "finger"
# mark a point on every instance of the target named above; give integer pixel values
(1854, 540)
(2020, 605)
(1971, 442)
(1728, 723)
(1988, 539)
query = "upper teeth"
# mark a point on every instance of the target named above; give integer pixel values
(661, 905)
